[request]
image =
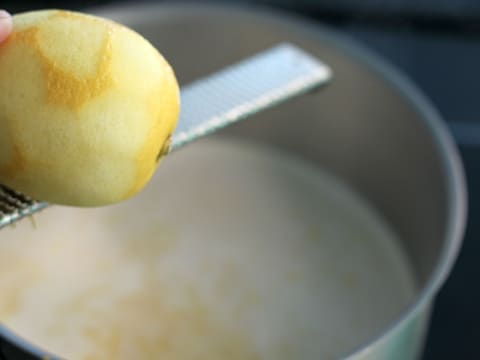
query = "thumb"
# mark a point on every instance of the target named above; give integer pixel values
(5, 24)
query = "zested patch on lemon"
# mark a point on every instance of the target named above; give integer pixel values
(87, 107)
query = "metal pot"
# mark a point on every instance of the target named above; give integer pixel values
(371, 127)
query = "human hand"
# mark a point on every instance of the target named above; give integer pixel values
(5, 25)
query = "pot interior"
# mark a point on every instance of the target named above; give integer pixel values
(361, 132)
(361, 128)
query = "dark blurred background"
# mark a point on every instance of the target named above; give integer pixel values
(437, 43)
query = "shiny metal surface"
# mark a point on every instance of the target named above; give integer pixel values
(370, 127)
(15, 206)
(244, 89)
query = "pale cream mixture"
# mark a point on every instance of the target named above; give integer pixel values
(234, 251)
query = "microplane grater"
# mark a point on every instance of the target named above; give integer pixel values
(211, 103)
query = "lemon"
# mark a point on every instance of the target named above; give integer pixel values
(87, 108)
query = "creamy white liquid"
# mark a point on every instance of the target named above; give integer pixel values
(234, 251)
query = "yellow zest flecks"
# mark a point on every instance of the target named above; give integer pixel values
(26, 276)
(63, 87)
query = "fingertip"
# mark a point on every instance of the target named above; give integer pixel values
(6, 24)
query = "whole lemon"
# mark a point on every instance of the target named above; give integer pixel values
(87, 107)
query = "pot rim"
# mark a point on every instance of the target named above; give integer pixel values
(445, 145)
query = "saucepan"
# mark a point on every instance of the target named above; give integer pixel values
(371, 128)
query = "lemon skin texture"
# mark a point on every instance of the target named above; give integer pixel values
(87, 108)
